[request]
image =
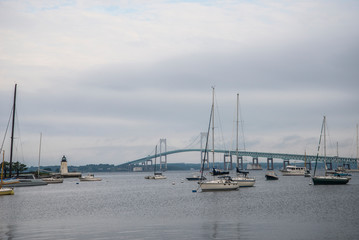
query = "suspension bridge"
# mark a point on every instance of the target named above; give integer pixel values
(228, 156)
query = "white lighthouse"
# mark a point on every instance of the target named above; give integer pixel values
(63, 169)
(64, 172)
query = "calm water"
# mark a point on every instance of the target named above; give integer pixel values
(127, 206)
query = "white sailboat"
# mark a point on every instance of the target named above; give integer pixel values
(242, 176)
(327, 179)
(156, 175)
(217, 184)
(50, 179)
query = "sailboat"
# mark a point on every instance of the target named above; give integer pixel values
(224, 182)
(4, 190)
(24, 180)
(326, 180)
(50, 179)
(156, 175)
(242, 176)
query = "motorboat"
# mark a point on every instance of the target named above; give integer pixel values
(292, 170)
(243, 180)
(90, 177)
(271, 175)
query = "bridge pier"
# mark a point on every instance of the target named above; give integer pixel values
(163, 140)
(225, 166)
(147, 165)
(329, 165)
(270, 164)
(309, 165)
(285, 163)
(346, 166)
(240, 163)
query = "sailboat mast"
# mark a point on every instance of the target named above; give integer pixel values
(155, 160)
(357, 148)
(237, 125)
(12, 130)
(38, 169)
(213, 126)
(325, 145)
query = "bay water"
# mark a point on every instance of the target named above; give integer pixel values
(127, 206)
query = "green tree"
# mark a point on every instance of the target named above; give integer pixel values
(18, 168)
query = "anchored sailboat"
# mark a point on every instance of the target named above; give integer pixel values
(156, 175)
(242, 176)
(219, 184)
(326, 180)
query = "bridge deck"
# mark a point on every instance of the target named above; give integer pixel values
(251, 154)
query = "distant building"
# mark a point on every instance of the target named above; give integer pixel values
(137, 169)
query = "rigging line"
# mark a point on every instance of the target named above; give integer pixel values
(8, 124)
(194, 141)
(320, 139)
(21, 146)
(242, 124)
(220, 124)
(206, 148)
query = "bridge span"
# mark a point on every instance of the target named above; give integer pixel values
(284, 156)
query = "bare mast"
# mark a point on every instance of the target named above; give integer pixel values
(213, 126)
(12, 131)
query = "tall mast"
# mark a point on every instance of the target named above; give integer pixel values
(213, 125)
(12, 130)
(357, 148)
(237, 125)
(38, 169)
(325, 144)
(155, 159)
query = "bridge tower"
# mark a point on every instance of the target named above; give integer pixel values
(204, 158)
(163, 140)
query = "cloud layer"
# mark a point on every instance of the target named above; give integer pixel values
(105, 80)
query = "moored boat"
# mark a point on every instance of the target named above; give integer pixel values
(90, 177)
(27, 180)
(327, 180)
(243, 180)
(223, 183)
(6, 191)
(292, 170)
(271, 175)
(51, 180)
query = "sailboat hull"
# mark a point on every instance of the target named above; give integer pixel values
(329, 180)
(6, 191)
(244, 182)
(218, 185)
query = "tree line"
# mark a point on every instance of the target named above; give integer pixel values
(16, 167)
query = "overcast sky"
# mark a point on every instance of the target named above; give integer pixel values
(105, 80)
